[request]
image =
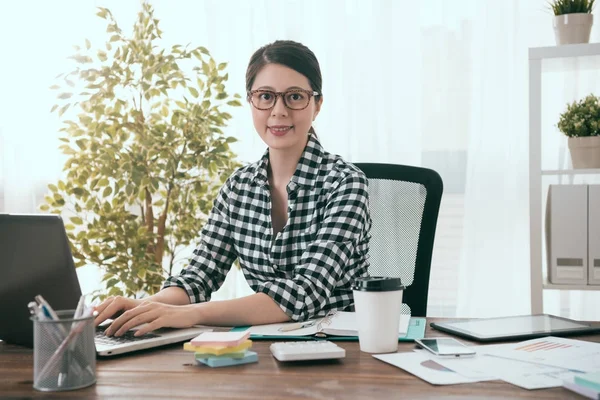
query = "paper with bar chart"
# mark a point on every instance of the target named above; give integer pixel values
(571, 354)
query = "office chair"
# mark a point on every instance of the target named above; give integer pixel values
(404, 203)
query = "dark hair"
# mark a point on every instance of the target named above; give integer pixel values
(291, 54)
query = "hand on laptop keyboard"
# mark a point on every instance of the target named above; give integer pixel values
(125, 338)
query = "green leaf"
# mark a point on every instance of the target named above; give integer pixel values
(111, 282)
(64, 96)
(164, 111)
(102, 13)
(62, 110)
(234, 103)
(194, 92)
(52, 188)
(222, 66)
(107, 191)
(76, 220)
(88, 45)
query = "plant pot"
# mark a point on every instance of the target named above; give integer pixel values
(585, 151)
(573, 28)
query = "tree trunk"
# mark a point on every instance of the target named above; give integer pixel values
(149, 221)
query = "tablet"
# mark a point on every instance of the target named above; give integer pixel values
(518, 327)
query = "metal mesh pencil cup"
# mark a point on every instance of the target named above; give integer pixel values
(64, 355)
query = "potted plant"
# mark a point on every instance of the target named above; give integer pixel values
(573, 20)
(146, 153)
(581, 123)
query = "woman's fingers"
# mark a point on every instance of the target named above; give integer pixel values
(124, 320)
(145, 317)
(103, 310)
(150, 326)
(111, 307)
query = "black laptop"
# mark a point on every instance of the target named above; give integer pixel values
(35, 258)
(32, 262)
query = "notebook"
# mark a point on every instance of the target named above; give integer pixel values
(340, 325)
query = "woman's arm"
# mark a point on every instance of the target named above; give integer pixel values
(255, 309)
(204, 274)
(171, 295)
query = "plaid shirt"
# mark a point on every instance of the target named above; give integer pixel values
(309, 266)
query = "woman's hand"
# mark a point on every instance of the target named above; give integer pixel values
(113, 307)
(154, 315)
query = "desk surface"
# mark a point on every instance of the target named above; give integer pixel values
(170, 372)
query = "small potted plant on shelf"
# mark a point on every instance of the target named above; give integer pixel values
(581, 123)
(573, 20)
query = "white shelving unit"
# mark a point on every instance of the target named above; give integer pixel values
(537, 56)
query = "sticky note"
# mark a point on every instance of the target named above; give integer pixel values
(241, 354)
(217, 350)
(214, 362)
(212, 339)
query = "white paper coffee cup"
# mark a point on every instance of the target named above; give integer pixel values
(377, 302)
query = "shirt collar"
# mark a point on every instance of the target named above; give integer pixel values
(306, 170)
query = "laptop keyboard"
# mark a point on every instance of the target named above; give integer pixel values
(127, 337)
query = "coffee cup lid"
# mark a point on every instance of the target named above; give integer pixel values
(377, 284)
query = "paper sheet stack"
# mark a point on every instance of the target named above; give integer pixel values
(222, 349)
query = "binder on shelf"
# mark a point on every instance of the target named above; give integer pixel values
(567, 234)
(594, 235)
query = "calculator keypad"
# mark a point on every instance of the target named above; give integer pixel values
(307, 350)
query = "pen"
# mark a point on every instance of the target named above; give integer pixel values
(299, 325)
(50, 314)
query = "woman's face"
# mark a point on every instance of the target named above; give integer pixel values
(282, 128)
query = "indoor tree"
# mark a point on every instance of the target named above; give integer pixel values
(146, 153)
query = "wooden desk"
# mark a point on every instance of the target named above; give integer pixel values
(171, 373)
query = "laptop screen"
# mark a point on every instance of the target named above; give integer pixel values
(34, 259)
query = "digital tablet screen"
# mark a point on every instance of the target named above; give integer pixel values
(514, 326)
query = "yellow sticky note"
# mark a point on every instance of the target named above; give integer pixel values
(217, 350)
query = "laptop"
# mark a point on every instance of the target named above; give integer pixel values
(35, 258)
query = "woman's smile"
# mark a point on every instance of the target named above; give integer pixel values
(280, 130)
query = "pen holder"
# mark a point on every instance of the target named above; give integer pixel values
(64, 354)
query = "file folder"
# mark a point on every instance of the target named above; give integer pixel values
(567, 234)
(594, 235)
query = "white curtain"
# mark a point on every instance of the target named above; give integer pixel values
(442, 84)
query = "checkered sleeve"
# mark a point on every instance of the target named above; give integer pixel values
(345, 225)
(213, 257)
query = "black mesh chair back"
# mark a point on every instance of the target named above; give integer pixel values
(404, 203)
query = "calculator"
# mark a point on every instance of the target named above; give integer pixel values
(307, 350)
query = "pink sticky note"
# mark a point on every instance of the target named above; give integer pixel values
(228, 339)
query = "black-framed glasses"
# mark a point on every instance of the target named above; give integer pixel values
(294, 99)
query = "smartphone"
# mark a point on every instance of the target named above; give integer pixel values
(445, 347)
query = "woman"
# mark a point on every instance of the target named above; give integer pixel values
(297, 219)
